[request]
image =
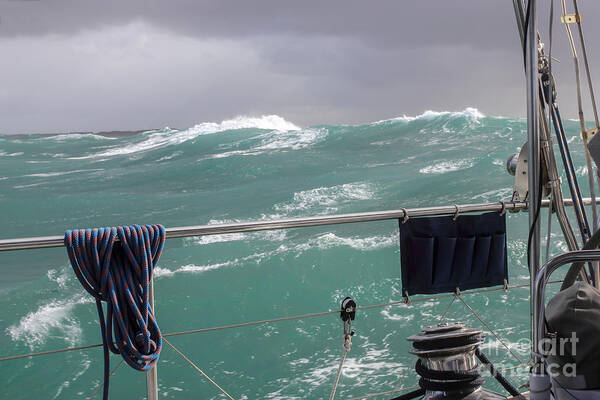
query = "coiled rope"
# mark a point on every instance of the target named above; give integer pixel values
(119, 273)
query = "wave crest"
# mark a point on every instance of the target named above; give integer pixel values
(270, 122)
(168, 136)
(470, 113)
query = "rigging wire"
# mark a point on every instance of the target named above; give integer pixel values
(198, 369)
(590, 170)
(525, 29)
(489, 329)
(595, 112)
(102, 383)
(447, 309)
(586, 65)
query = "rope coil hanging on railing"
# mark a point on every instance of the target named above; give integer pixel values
(119, 273)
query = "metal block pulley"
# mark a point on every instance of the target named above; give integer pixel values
(517, 166)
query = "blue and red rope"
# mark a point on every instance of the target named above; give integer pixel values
(119, 273)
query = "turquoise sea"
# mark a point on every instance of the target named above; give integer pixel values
(253, 169)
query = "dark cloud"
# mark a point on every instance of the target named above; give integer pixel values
(88, 65)
(387, 23)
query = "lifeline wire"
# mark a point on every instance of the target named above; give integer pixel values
(265, 321)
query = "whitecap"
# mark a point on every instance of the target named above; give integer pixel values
(159, 272)
(51, 174)
(171, 156)
(581, 171)
(330, 240)
(204, 268)
(191, 268)
(73, 136)
(495, 194)
(270, 122)
(167, 136)
(5, 154)
(277, 141)
(321, 242)
(210, 239)
(471, 113)
(28, 186)
(447, 166)
(356, 368)
(294, 140)
(271, 235)
(50, 319)
(59, 277)
(329, 198)
(397, 317)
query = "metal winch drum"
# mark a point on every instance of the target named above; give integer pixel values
(448, 363)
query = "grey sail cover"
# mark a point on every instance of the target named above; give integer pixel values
(576, 310)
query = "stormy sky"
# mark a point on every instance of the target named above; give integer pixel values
(139, 64)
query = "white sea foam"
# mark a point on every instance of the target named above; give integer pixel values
(496, 194)
(277, 141)
(204, 268)
(294, 140)
(272, 236)
(50, 319)
(397, 317)
(74, 136)
(321, 242)
(50, 174)
(210, 239)
(330, 240)
(581, 171)
(5, 154)
(270, 122)
(470, 113)
(59, 277)
(328, 199)
(165, 272)
(169, 136)
(447, 166)
(160, 272)
(28, 186)
(358, 369)
(85, 365)
(170, 156)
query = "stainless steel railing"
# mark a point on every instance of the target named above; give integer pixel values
(252, 226)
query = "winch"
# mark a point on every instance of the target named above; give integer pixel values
(449, 364)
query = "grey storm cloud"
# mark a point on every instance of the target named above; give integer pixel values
(119, 65)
